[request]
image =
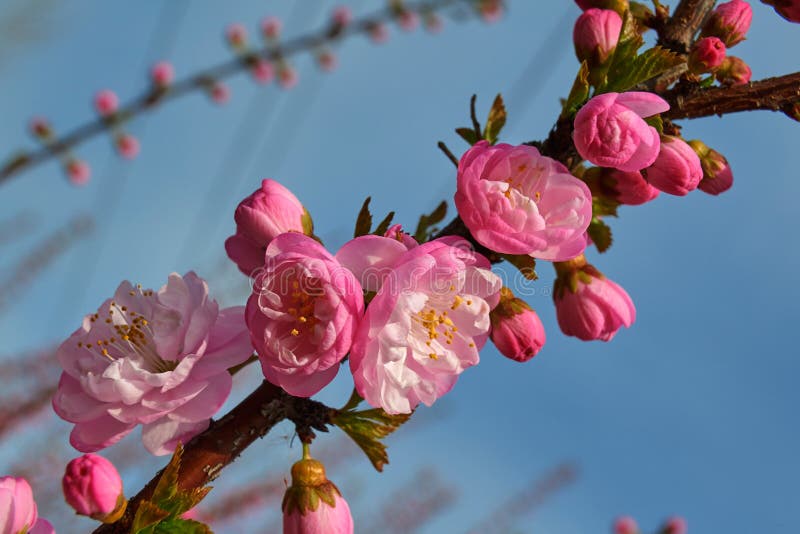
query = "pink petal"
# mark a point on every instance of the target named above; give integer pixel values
(163, 436)
(369, 258)
(91, 436)
(643, 103)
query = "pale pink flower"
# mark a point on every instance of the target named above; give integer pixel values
(106, 102)
(427, 321)
(610, 130)
(271, 27)
(313, 504)
(733, 71)
(729, 21)
(236, 35)
(589, 306)
(706, 55)
(159, 359)
(270, 211)
(262, 71)
(788, 9)
(625, 525)
(516, 201)
(675, 525)
(517, 331)
(18, 511)
(162, 73)
(78, 172)
(93, 488)
(220, 93)
(127, 146)
(302, 314)
(396, 232)
(677, 169)
(595, 35)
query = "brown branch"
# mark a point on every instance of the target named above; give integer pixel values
(776, 94)
(207, 454)
(678, 32)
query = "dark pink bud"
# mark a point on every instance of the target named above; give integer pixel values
(408, 20)
(236, 35)
(287, 77)
(490, 10)
(220, 93)
(162, 74)
(40, 128)
(595, 35)
(729, 21)
(93, 488)
(788, 9)
(675, 525)
(733, 71)
(677, 169)
(78, 172)
(626, 187)
(517, 331)
(106, 102)
(262, 71)
(717, 175)
(379, 33)
(271, 28)
(327, 61)
(625, 525)
(313, 504)
(342, 16)
(127, 146)
(706, 55)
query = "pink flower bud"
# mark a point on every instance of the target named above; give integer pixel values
(326, 511)
(18, 511)
(271, 28)
(93, 488)
(220, 93)
(675, 525)
(517, 331)
(40, 128)
(729, 21)
(127, 146)
(490, 10)
(625, 525)
(379, 33)
(268, 212)
(788, 9)
(396, 232)
(677, 169)
(106, 102)
(733, 71)
(327, 61)
(610, 130)
(717, 175)
(408, 20)
(628, 188)
(162, 74)
(262, 71)
(236, 35)
(706, 55)
(589, 306)
(78, 172)
(342, 16)
(287, 77)
(595, 35)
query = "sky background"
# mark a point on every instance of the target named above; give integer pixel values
(692, 411)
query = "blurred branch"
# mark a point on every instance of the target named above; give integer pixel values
(17, 226)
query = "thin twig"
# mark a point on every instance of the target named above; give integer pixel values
(448, 153)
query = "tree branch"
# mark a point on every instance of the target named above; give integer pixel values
(776, 94)
(681, 28)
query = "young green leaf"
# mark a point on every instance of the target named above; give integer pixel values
(643, 67)
(147, 516)
(603, 206)
(468, 135)
(364, 220)
(427, 221)
(579, 93)
(600, 234)
(182, 526)
(496, 120)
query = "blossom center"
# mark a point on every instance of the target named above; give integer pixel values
(437, 326)
(301, 307)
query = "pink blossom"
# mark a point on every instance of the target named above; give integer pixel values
(677, 169)
(625, 525)
(78, 172)
(342, 16)
(313, 504)
(490, 10)
(271, 27)
(262, 71)
(589, 306)
(628, 188)
(517, 331)
(706, 55)
(18, 511)
(516, 201)
(270, 211)
(675, 525)
(93, 488)
(427, 321)
(220, 93)
(733, 71)
(302, 314)
(396, 232)
(788, 9)
(326, 519)
(159, 359)
(106, 102)
(162, 73)
(610, 130)
(717, 175)
(379, 33)
(408, 20)
(236, 35)
(595, 35)
(327, 61)
(729, 21)
(287, 77)
(127, 146)
(40, 127)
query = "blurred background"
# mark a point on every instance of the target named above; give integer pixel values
(691, 412)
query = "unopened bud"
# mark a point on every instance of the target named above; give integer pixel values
(93, 488)
(262, 71)
(706, 55)
(236, 35)
(219, 93)
(378, 33)
(162, 74)
(287, 77)
(271, 28)
(730, 21)
(40, 128)
(127, 146)
(625, 525)
(717, 175)
(78, 172)
(313, 503)
(106, 102)
(733, 71)
(677, 169)
(675, 525)
(517, 331)
(595, 35)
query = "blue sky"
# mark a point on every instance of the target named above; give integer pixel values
(691, 411)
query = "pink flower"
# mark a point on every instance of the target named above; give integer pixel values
(268, 212)
(106, 102)
(271, 27)
(342, 16)
(220, 93)
(162, 74)
(18, 512)
(327, 61)
(78, 172)
(236, 35)
(313, 504)
(490, 10)
(287, 77)
(717, 175)
(127, 146)
(677, 169)
(589, 306)
(788, 9)
(675, 525)
(733, 71)
(610, 131)
(730, 21)
(379, 33)
(427, 321)
(516, 201)
(93, 488)
(302, 314)
(706, 55)
(396, 232)
(262, 71)
(625, 525)
(159, 359)
(628, 188)
(408, 20)
(596, 34)
(517, 331)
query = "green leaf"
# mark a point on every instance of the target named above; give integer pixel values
(525, 264)
(631, 71)
(496, 120)
(182, 526)
(384, 224)
(168, 482)
(147, 516)
(468, 135)
(427, 221)
(600, 234)
(579, 93)
(603, 206)
(364, 220)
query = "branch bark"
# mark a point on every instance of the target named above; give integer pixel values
(681, 28)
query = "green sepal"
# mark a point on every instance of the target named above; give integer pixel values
(148, 515)
(525, 264)
(656, 122)
(426, 222)
(305, 499)
(468, 135)
(364, 219)
(182, 526)
(603, 206)
(307, 222)
(496, 120)
(579, 93)
(600, 233)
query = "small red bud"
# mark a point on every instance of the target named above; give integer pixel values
(106, 102)
(78, 172)
(162, 74)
